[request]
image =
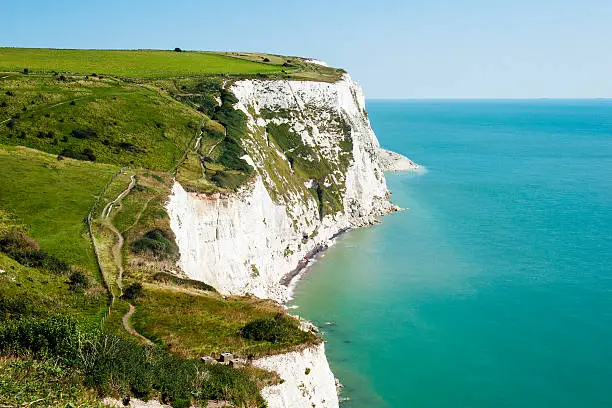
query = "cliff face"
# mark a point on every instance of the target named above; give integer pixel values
(317, 174)
(318, 171)
(308, 381)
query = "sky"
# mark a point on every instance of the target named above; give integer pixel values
(393, 49)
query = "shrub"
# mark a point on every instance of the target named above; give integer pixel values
(254, 271)
(276, 329)
(15, 240)
(204, 103)
(88, 133)
(230, 157)
(86, 155)
(266, 59)
(78, 280)
(229, 180)
(45, 135)
(87, 152)
(129, 147)
(52, 336)
(40, 259)
(13, 308)
(117, 366)
(168, 278)
(133, 291)
(25, 250)
(177, 49)
(157, 243)
(225, 383)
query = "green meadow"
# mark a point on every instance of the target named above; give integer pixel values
(129, 63)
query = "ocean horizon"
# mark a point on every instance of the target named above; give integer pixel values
(494, 286)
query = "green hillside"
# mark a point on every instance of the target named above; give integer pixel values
(81, 130)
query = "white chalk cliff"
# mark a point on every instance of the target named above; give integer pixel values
(307, 380)
(256, 240)
(247, 242)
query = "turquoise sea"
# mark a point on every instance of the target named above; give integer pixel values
(494, 288)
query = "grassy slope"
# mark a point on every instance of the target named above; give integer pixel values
(133, 124)
(128, 63)
(52, 198)
(195, 323)
(46, 293)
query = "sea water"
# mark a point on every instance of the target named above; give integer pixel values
(494, 287)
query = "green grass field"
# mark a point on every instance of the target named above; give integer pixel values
(129, 63)
(51, 199)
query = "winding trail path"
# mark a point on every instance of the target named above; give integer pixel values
(129, 329)
(208, 154)
(109, 207)
(215, 145)
(118, 258)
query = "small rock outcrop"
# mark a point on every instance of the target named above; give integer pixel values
(391, 161)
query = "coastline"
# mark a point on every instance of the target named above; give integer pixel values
(394, 163)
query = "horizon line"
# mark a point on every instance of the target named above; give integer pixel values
(594, 98)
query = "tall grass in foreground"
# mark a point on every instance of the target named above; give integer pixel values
(119, 367)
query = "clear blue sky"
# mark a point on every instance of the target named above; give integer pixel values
(399, 49)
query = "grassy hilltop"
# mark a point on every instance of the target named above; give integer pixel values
(89, 143)
(158, 63)
(137, 64)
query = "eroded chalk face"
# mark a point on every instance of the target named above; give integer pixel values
(307, 379)
(317, 173)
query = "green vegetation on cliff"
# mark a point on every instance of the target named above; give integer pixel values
(93, 139)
